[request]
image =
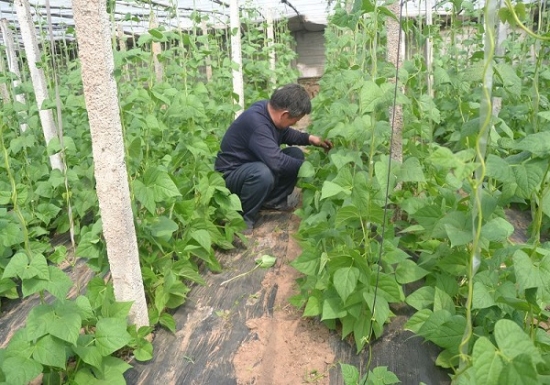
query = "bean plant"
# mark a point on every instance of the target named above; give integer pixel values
(441, 242)
(183, 211)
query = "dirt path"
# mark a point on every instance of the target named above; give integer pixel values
(284, 348)
(246, 332)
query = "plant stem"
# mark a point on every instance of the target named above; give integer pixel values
(14, 198)
(240, 275)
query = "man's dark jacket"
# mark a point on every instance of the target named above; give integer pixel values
(253, 137)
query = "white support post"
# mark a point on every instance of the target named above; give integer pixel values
(395, 56)
(271, 45)
(236, 54)
(208, 58)
(28, 34)
(429, 47)
(13, 65)
(101, 96)
(4, 93)
(156, 50)
(121, 38)
(502, 33)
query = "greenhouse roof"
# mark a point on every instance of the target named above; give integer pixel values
(134, 15)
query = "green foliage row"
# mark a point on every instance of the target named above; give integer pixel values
(370, 228)
(183, 211)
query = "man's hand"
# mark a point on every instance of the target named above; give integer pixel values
(319, 142)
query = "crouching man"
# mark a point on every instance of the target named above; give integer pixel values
(251, 160)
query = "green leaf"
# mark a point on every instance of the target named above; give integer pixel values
(115, 367)
(156, 33)
(428, 216)
(545, 204)
(117, 309)
(506, 16)
(345, 280)
(544, 114)
(266, 261)
(408, 271)
(509, 77)
(20, 370)
(84, 307)
(458, 236)
(528, 177)
(312, 308)
(421, 298)
(111, 335)
(429, 108)
(499, 169)
(16, 266)
(144, 195)
(59, 283)
(8, 289)
(527, 274)
(50, 351)
(520, 371)
(444, 330)
(164, 227)
(487, 363)
(343, 157)
(307, 263)
(161, 184)
(350, 374)
(37, 268)
(168, 321)
(370, 96)
(415, 323)
(443, 301)
(333, 309)
(411, 171)
(89, 354)
(381, 375)
(66, 326)
(381, 312)
(59, 255)
(203, 238)
(46, 212)
(39, 320)
(345, 214)
(513, 341)
(482, 298)
(11, 235)
(306, 170)
(538, 144)
(135, 150)
(331, 189)
(389, 288)
(441, 76)
(497, 230)
(144, 352)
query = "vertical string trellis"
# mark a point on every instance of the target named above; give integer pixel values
(54, 72)
(485, 112)
(388, 183)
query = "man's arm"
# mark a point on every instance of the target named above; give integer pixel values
(265, 147)
(295, 137)
(319, 142)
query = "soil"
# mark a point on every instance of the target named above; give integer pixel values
(285, 348)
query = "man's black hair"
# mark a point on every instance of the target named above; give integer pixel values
(293, 98)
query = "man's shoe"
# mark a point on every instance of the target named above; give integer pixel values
(284, 207)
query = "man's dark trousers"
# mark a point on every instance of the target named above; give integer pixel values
(257, 186)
